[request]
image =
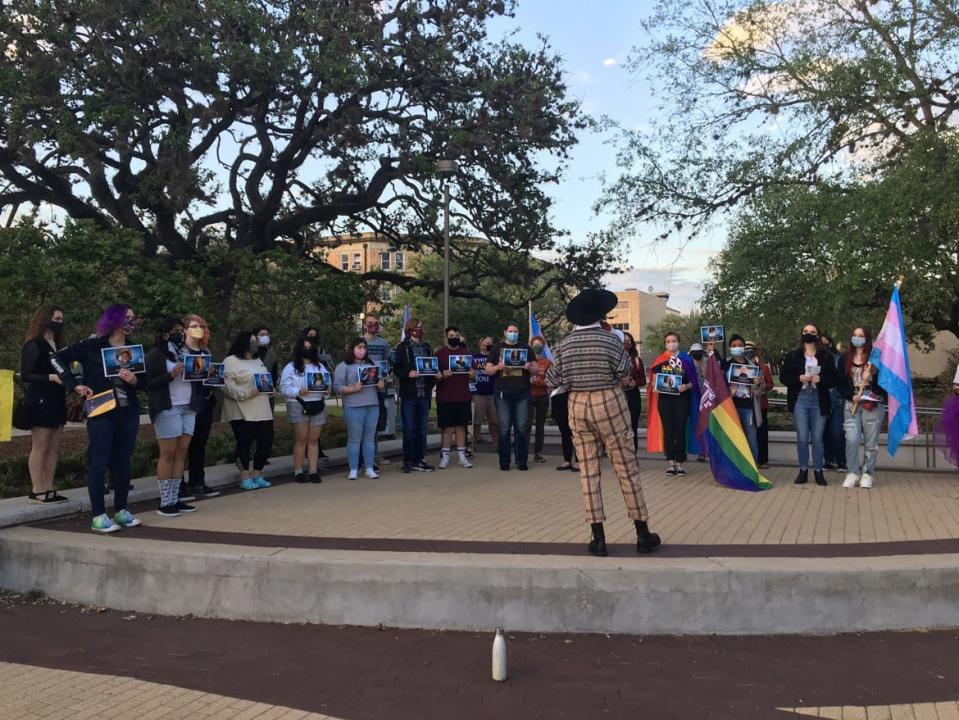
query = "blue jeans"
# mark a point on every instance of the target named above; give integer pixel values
(810, 425)
(865, 425)
(361, 430)
(749, 428)
(512, 409)
(112, 438)
(416, 425)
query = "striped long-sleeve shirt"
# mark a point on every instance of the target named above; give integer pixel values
(588, 359)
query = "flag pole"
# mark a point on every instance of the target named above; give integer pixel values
(900, 281)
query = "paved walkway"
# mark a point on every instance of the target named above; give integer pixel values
(544, 506)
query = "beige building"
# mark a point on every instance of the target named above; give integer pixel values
(638, 310)
(369, 252)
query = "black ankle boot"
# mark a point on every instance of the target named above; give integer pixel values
(646, 541)
(802, 478)
(597, 546)
(315, 478)
(299, 477)
(820, 478)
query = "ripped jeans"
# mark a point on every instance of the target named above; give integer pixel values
(865, 425)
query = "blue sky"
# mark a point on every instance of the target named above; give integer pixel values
(595, 39)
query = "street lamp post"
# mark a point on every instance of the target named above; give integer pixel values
(446, 169)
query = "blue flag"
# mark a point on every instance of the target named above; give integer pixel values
(534, 331)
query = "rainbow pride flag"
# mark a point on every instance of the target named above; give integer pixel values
(721, 434)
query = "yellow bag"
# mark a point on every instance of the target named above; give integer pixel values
(100, 404)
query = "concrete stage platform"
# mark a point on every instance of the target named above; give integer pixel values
(473, 549)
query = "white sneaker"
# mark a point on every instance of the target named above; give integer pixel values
(371, 474)
(852, 479)
(866, 481)
(444, 461)
(352, 475)
(465, 461)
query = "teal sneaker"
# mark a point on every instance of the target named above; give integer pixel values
(124, 518)
(262, 482)
(103, 524)
(249, 484)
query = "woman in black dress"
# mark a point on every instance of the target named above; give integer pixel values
(44, 400)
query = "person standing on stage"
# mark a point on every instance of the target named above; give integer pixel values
(592, 363)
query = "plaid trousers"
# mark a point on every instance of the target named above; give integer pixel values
(598, 419)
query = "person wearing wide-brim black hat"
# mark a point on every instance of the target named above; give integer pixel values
(593, 364)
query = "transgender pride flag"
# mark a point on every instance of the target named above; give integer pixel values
(534, 331)
(889, 356)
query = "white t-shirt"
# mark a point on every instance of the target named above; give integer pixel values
(180, 390)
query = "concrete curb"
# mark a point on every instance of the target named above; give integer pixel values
(477, 592)
(21, 511)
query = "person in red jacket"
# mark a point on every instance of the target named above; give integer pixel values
(762, 429)
(453, 396)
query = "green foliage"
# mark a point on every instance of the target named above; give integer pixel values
(84, 268)
(686, 324)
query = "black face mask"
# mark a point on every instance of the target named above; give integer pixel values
(809, 337)
(486, 348)
(56, 326)
(176, 338)
(697, 355)
(453, 342)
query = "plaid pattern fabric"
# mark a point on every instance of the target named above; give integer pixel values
(589, 359)
(601, 419)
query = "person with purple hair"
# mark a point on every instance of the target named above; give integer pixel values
(112, 435)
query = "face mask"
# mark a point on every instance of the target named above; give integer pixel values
(809, 337)
(129, 327)
(373, 328)
(360, 353)
(672, 346)
(453, 342)
(56, 326)
(698, 355)
(196, 333)
(417, 333)
(857, 341)
(512, 337)
(486, 348)
(737, 351)
(176, 337)
(263, 340)
(538, 349)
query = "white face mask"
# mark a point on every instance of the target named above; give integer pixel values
(672, 346)
(263, 340)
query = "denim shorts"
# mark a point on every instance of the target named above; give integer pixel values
(296, 416)
(173, 423)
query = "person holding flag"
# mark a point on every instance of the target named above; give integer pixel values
(890, 362)
(592, 363)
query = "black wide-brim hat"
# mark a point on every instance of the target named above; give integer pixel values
(590, 306)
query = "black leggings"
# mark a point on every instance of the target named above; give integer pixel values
(674, 412)
(245, 432)
(196, 455)
(635, 402)
(561, 416)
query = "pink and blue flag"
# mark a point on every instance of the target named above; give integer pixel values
(534, 331)
(406, 319)
(890, 357)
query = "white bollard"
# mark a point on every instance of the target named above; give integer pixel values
(499, 656)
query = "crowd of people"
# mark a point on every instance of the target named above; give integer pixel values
(502, 383)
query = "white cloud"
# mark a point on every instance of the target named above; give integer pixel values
(609, 62)
(581, 77)
(684, 293)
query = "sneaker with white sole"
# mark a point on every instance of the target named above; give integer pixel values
(465, 461)
(866, 481)
(851, 481)
(168, 511)
(444, 461)
(371, 474)
(124, 518)
(262, 482)
(103, 524)
(354, 474)
(182, 507)
(249, 484)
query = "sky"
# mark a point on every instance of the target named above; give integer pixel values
(595, 38)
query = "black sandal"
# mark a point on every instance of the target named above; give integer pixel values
(50, 496)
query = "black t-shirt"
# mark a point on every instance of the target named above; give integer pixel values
(511, 379)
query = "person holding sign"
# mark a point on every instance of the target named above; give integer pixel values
(746, 387)
(416, 391)
(361, 406)
(248, 410)
(173, 404)
(808, 372)
(453, 397)
(305, 409)
(112, 433)
(864, 402)
(669, 411)
(196, 345)
(509, 365)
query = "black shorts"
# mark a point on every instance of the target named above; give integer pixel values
(453, 414)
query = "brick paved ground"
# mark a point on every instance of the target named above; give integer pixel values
(543, 505)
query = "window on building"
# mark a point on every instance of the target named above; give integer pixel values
(386, 293)
(344, 261)
(621, 326)
(399, 261)
(385, 261)
(357, 264)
